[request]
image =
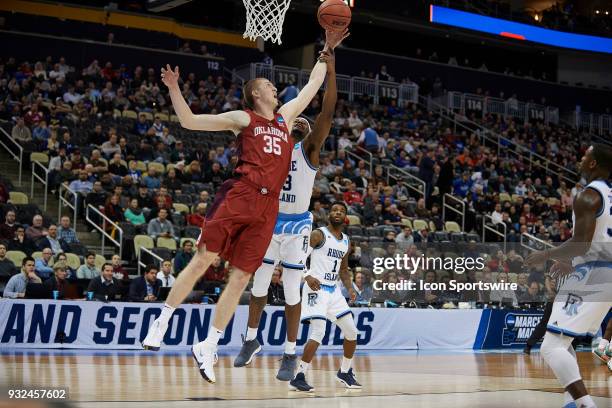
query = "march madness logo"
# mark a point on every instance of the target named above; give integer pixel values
(518, 328)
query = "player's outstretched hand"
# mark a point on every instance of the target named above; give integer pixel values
(169, 77)
(313, 283)
(334, 38)
(536, 258)
(328, 57)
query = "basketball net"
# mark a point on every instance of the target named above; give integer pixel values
(265, 19)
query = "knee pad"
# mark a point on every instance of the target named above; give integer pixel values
(261, 280)
(553, 342)
(317, 330)
(347, 325)
(292, 279)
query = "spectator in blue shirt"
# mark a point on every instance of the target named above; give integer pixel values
(151, 180)
(362, 289)
(81, 185)
(141, 126)
(16, 286)
(290, 92)
(43, 264)
(461, 186)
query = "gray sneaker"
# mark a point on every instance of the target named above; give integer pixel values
(247, 352)
(286, 372)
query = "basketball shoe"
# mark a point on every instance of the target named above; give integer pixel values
(155, 336)
(348, 379)
(247, 352)
(299, 383)
(206, 357)
(604, 355)
(610, 365)
(287, 369)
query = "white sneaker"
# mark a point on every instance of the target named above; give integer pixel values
(155, 336)
(610, 365)
(206, 357)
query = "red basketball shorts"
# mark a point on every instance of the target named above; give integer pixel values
(240, 223)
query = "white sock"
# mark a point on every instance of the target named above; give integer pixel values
(213, 337)
(567, 398)
(346, 364)
(585, 402)
(303, 367)
(166, 313)
(251, 334)
(603, 343)
(290, 347)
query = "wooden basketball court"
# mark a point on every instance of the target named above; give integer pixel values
(415, 379)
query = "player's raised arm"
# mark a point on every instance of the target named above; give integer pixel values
(588, 204)
(314, 141)
(296, 106)
(234, 120)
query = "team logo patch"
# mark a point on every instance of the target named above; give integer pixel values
(572, 304)
(296, 146)
(312, 299)
(280, 119)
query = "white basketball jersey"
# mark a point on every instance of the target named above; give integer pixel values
(601, 246)
(295, 195)
(326, 258)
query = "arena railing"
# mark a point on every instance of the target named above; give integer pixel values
(357, 158)
(13, 148)
(68, 198)
(453, 208)
(351, 86)
(502, 144)
(43, 177)
(411, 181)
(151, 254)
(486, 227)
(534, 243)
(523, 111)
(106, 222)
(593, 123)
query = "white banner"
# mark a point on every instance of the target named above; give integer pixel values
(117, 325)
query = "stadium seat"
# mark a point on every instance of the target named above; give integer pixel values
(174, 118)
(505, 197)
(441, 236)
(37, 255)
(457, 237)
(147, 115)
(552, 201)
(192, 232)
(163, 253)
(406, 222)
(353, 220)
(16, 257)
(100, 260)
(183, 199)
(452, 226)
(73, 261)
(142, 241)
(130, 114)
(141, 166)
(515, 197)
(116, 113)
(42, 158)
(17, 197)
(162, 116)
(169, 243)
(419, 225)
(354, 230)
(178, 219)
(181, 208)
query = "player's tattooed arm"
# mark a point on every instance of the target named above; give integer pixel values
(314, 141)
(234, 120)
(588, 204)
(345, 277)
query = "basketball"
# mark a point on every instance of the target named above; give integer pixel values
(334, 15)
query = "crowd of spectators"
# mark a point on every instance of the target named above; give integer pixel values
(149, 176)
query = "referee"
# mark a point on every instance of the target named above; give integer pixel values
(560, 271)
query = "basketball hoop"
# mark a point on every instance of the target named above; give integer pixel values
(265, 19)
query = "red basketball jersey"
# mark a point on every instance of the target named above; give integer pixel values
(264, 151)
